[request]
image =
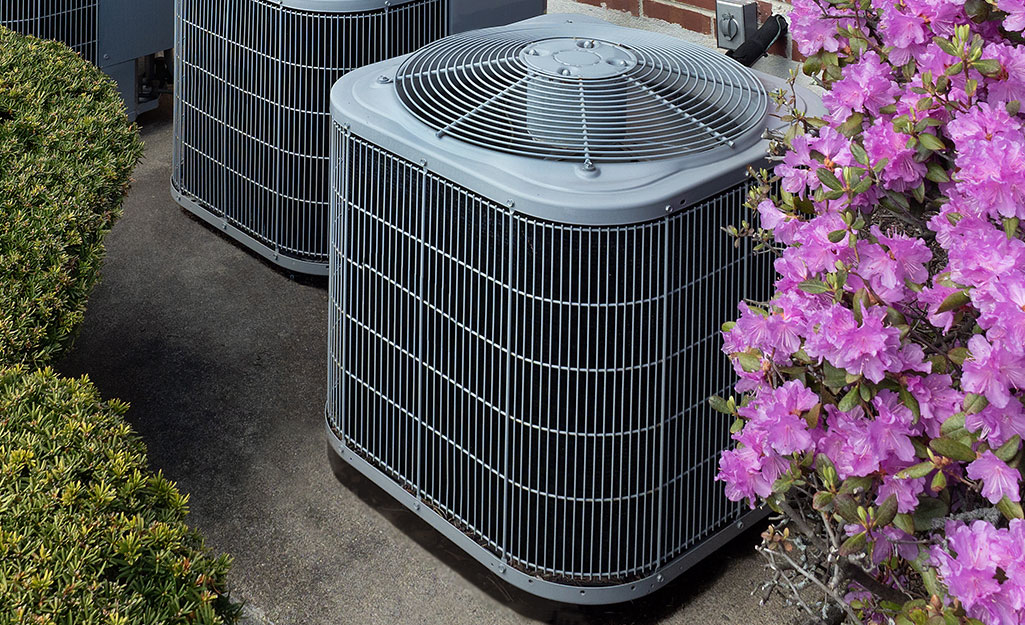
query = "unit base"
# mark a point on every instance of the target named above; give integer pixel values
(566, 593)
(285, 262)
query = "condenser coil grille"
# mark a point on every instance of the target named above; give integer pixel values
(541, 387)
(583, 99)
(253, 133)
(73, 22)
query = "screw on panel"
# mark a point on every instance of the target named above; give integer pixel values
(740, 525)
(416, 506)
(659, 578)
(510, 203)
(383, 80)
(588, 169)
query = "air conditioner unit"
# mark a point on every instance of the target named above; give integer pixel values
(122, 37)
(528, 278)
(252, 126)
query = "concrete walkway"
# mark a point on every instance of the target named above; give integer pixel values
(222, 358)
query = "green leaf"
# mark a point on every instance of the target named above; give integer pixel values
(929, 509)
(862, 185)
(1013, 107)
(833, 377)
(1009, 449)
(859, 153)
(828, 178)
(814, 286)
(953, 424)
(837, 235)
(849, 401)
(919, 193)
(737, 426)
(954, 301)
(1010, 509)
(920, 470)
(867, 391)
(719, 404)
(939, 482)
(886, 512)
(912, 404)
(749, 362)
(931, 142)
(952, 449)
(958, 355)
(904, 523)
(852, 125)
(846, 507)
(937, 173)
(988, 67)
(974, 404)
(813, 415)
(946, 46)
(854, 544)
(825, 470)
(822, 501)
(855, 485)
(1011, 226)
(812, 65)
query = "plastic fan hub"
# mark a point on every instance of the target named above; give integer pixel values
(578, 58)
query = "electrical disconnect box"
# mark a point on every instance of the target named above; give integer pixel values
(735, 22)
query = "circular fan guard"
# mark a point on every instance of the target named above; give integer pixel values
(586, 99)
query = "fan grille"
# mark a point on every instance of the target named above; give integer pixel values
(586, 98)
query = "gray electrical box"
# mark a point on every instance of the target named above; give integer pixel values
(735, 22)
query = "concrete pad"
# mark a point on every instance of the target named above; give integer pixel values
(223, 359)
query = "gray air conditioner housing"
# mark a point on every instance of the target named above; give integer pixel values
(252, 126)
(122, 37)
(528, 278)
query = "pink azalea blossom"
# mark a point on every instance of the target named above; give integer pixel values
(998, 479)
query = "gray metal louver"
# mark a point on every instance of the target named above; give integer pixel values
(252, 126)
(524, 320)
(120, 36)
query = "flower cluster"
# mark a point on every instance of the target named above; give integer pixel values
(883, 384)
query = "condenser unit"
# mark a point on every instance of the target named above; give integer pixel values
(122, 37)
(252, 125)
(528, 277)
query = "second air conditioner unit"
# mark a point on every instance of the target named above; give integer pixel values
(252, 129)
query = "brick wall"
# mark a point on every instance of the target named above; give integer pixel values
(698, 16)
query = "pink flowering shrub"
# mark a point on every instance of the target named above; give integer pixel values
(881, 389)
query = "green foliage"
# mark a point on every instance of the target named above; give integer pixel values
(87, 534)
(67, 152)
